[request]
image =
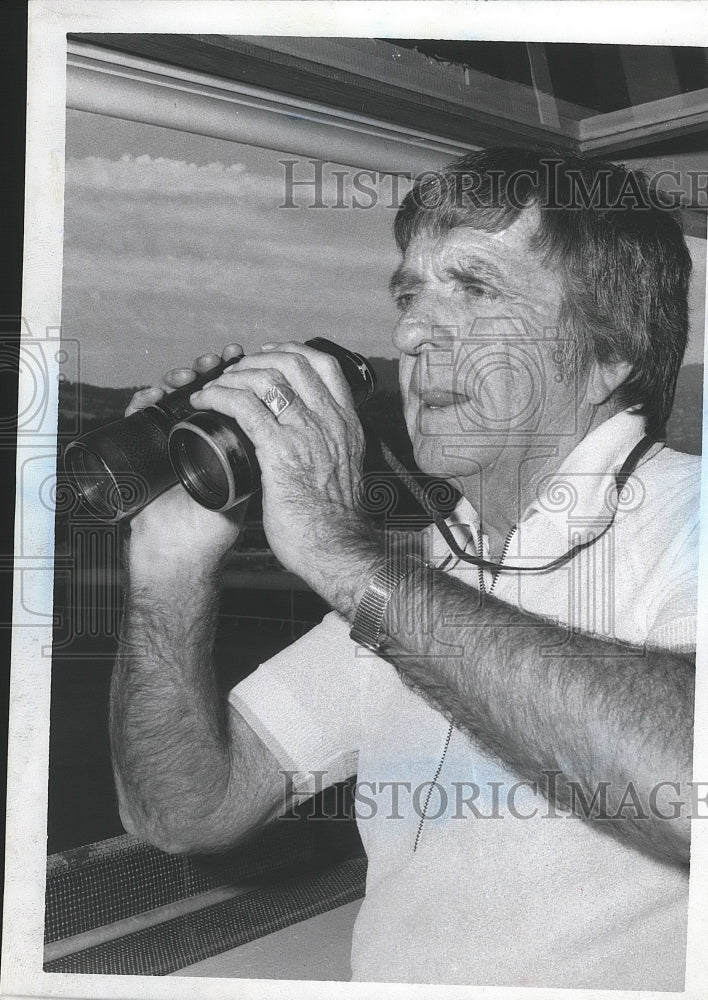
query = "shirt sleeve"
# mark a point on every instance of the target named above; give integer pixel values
(675, 620)
(304, 704)
(673, 614)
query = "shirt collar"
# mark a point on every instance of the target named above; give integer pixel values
(582, 488)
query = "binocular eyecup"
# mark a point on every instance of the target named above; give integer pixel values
(214, 460)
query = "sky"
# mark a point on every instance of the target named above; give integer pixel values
(178, 244)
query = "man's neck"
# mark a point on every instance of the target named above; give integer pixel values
(508, 486)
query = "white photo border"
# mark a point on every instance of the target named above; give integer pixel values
(658, 22)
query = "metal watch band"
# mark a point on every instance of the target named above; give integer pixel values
(366, 628)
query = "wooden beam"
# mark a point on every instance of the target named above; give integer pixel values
(543, 84)
(632, 127)
(108, 83)
(380, 81)
(472, 108)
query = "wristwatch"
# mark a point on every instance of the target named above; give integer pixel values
(366, 628)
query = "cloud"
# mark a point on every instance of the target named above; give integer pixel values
(135, 174)
(164, 258)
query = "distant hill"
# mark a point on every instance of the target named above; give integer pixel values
(96, 405)
(683, 431)
(83, 407)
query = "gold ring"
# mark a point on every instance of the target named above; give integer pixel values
(278, 398)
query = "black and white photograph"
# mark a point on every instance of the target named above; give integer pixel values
(359, 554)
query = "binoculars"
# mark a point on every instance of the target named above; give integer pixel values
(118, 469)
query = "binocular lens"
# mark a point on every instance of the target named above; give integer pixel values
(214, 460)
(100, 489)
(200, 470)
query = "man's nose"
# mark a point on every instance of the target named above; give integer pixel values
(414, 334)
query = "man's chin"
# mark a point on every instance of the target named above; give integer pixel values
(430, 459)
(435, 457)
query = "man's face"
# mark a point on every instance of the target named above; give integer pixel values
(480, 349)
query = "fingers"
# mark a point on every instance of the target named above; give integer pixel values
(253, 383)
(242, 404)
(205, 362)
(258, 381)
(316, 377)
(327, 367)
(202, 365)
(232, 352)
(143, 398)
(178, 377)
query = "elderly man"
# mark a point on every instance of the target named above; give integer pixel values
(517, 699)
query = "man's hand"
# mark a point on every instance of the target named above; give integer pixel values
(174, 526)
(311, 459)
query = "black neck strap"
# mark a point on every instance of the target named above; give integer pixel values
(630, 464)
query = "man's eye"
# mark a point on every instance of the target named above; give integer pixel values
(477, 291)
(404, 300)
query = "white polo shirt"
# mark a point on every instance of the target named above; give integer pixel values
(494, 886)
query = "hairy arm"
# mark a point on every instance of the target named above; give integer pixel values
(191, 774)
(596, 725)
(581, 717)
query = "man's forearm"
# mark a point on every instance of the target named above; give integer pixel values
(168, 730)
(558, 707)
(565, 710)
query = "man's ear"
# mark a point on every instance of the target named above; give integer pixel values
(604, 378)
